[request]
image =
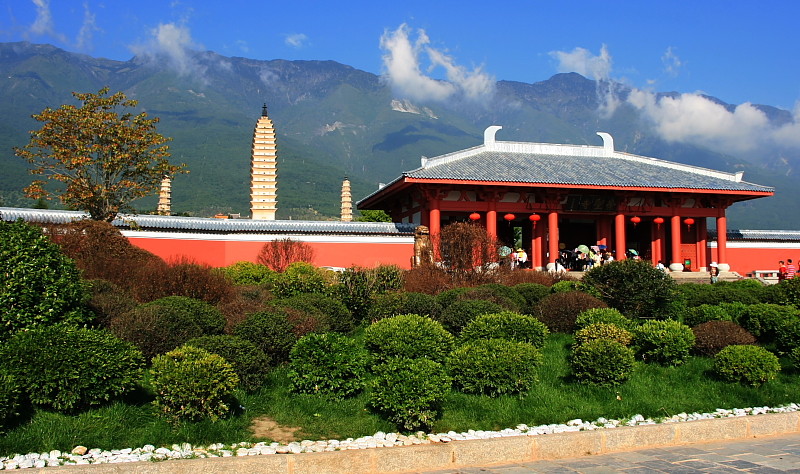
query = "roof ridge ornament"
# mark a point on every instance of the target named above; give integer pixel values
(608, 143)
(488, 135)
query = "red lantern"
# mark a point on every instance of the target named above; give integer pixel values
(658, 221)
(534, 218)
(509, 217)
(688, 221)
(636, 220)
(474, 216)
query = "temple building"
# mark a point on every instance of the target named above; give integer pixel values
(264, 170)
(562, 196)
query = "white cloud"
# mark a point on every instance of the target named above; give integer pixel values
(172, 43)
(84, 40)
(296, 40)
(43, 24)
(672, 63)
(402, 67)
(586, 64)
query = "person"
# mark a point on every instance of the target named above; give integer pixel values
(781, 271)
(661, 266)
(714, 272)
(522, 258)
(790, 269)
(513, 258)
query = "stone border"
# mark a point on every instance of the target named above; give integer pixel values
(479, 452)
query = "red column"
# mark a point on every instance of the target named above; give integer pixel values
(655, 243)
(675, 224)
(702, 243)
(552, 229)
(435, 218)
(619, 236)
(491, 220)
(722, 240)
(536, 246)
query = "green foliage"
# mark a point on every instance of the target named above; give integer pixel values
(506, 325)
(68, 368)
(448, 297)
(566, 285)
(794, 357)
(764, 320)
(634, 287)
(103, 159)
(559, 311)
(408, 336)
(533, 293)
(663, 342)
(331, 312)
(749, 365)
(603, 331)
(603, 362)
(11, 398)
(789, 292)
(301, 277)
(191, 384)
(271, 331)
(331, 365)
(249, 362)
(713, 336)
(358, 286)
(249, 273)
(373, 216)
(38, 284)
(503, 295)
(494, 366)
(788, 336)
(409, 392)
(734, 309)
(743, 291)
(460, 313)
(108, 301)
(166, 323)
(704, 313)
(394, 303)
(604, 315)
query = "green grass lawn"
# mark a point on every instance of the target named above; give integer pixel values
(653, 391)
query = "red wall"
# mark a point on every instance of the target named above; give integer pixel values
(745, 260)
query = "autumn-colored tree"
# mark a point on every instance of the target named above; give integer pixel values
(279, 254)
(466, 248)
(103, 159)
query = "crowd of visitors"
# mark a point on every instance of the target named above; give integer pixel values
(786, 270)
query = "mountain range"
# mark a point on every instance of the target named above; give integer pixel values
(333, 121)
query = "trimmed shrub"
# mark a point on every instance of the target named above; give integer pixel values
(788, 336)
(506, 325)
(422, 304)
(68, 368)
(409, 336)
(723, 292)
(271, 331)
(331, 312)
(394, 303)
(734, 309)
(634, 287)
(460, 313)
(494, 367)
(166, 323)
(603, 331)
(428, 279)
(713, 336)
(533, 293)
(409, 392)
(448, 297)
(749, 365)
(299, 278)
(191, 384)
(566, 285)
(246, 300)
(108, 301)
(185, 277)
(331, 365)
(763, 320)
(603, 362)
(559, 311)
(794, 357)
(11, 398)
(664, 342)
(39, 285)
(502, 295)
(704, 313)
(249, 273)
(605, 316)
(279, 254)
(249, 362)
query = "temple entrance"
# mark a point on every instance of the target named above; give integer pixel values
(575, 231)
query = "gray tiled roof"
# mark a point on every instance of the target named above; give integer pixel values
(514, 167)
(759, 235)
(202, 224)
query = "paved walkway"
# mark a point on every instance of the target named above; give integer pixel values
(761, 455)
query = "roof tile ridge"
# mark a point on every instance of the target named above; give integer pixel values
(450, 157)
(699, 170)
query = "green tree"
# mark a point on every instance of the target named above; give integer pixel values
(103, 159)
(374, 216)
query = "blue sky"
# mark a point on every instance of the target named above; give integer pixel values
(737, 51)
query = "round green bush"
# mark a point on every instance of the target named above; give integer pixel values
(794, 357)
(606, 316)
(713, 336)
(723, 292)
(39, 285)
(634, 287)
(271, 331)
(506, 325)
(166, 323)
(331, 365)
(409, 392)
(108, 301)
(503, 295)
(390, 304)
(663, 342)
(603, 331)
(788, 336)
(448, 297)
(357, 287)
(460, 313)
(750, 365)
(68, 368)
(763, 320)
(301, 277)
(559, 311)
(191, 384)
(494, 367)
(249, 362)
(409, 336)
(533, 293)
(11, 399)
(734, 309)
(332, 312)
(603, 362)
(249, 273)
(564, 286)
(704, 313)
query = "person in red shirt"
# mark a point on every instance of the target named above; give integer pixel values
(790, 269)
(781, 271)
